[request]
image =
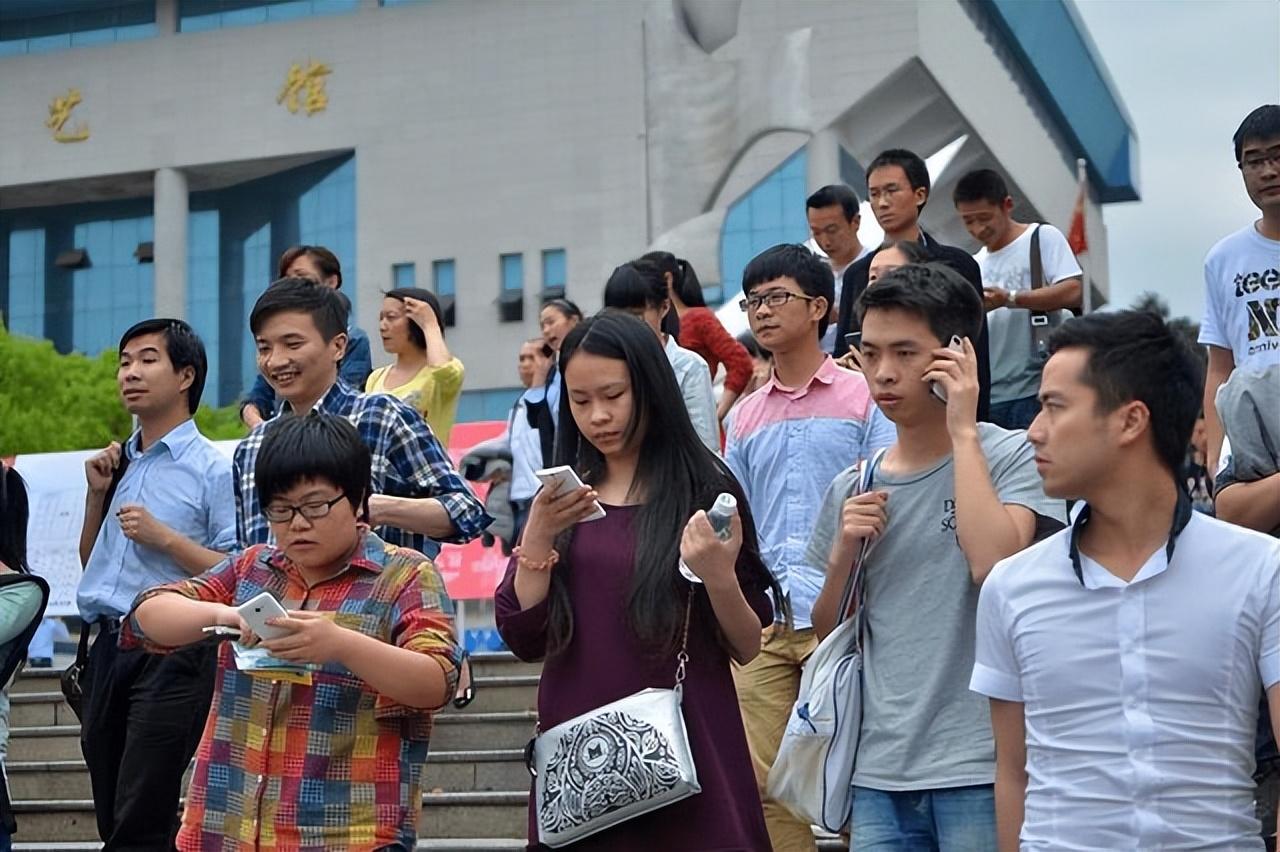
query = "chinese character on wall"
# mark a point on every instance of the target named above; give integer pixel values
(60, 113)
(304, 88)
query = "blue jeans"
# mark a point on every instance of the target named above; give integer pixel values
(956, 819)
(1016, 413)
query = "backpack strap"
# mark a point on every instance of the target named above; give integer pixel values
(851, 599)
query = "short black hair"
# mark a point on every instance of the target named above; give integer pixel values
(314, 446)
(1262, 123)
(184, 347)
(301, 296)
(326, 261)
(833, 194)
(980, 185)
(1136, 356)
(911, 163)
(797, 263)
(933, 291)
(416, 337)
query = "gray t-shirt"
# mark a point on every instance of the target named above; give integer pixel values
(922, 728)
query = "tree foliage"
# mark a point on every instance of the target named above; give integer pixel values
(50, 402)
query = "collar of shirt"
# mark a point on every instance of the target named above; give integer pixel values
(176, 441)
(826, 374)
(1181, 516)
(372, 558)
(338, 399)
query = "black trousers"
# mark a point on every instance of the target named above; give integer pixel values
(143, 717)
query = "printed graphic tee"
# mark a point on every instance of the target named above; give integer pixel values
(1242, 297)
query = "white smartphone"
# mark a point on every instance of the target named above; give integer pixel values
(564, 478)
(956, 345)
(221, 630)
(257, 610)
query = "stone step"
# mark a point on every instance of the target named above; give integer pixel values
(447, 771)
(451, 844)
(444, 816)
(453, 731)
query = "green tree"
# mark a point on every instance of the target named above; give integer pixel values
(51, 402)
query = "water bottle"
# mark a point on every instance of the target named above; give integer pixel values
(721, 517)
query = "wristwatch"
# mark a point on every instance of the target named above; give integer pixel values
(1011, 300)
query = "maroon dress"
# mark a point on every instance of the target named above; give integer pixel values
(605, 662)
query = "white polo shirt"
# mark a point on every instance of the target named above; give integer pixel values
(1141, 699)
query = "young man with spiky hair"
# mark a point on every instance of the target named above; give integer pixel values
(949, 499)
(1124, 657)
(172, 514)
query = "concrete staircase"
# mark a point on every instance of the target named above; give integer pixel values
(477, 787)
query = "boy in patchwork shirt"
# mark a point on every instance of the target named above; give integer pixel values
(336, 761)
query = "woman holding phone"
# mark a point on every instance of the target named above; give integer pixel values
(603, 601)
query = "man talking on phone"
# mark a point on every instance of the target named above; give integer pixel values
(159, 509)
(949, 499)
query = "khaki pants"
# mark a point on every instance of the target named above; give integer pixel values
(767, 689)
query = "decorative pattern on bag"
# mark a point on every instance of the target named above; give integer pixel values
(607, 763)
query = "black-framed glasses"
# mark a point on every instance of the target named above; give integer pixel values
(279, 513)
(1257, 162)
(774, 299)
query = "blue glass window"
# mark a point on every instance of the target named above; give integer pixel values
(114, 290)
(771, 212)
(512, 273)
(494, 404)
(403, 275)
(203, 305)
(103, 23)
(442, 277)
(554, 271)
(200, 15)
(327, 217)
(25, 311)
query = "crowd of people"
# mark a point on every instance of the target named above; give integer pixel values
(1058, 650)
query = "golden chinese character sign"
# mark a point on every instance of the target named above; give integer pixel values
(304, 88)
(60, 113)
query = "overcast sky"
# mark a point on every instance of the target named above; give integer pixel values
(1188, 71)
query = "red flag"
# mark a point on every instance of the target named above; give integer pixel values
(1076, 238)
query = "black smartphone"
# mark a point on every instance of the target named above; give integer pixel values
(547, 351)
(853, 340)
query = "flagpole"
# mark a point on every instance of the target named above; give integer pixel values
(1082, 181)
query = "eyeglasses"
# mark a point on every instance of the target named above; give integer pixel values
(1255, 164)
(774, 299)
(283, 514)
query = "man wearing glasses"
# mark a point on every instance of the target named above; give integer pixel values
(1242, 272)
(785, 443)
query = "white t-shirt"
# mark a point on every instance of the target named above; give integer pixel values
(1140, 698)
(1015, 373)
(1242, 297)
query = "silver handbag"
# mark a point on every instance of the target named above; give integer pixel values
(613, 763)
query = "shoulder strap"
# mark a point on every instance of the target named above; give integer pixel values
(1040, 325)
(1037, 263)
(683, 656)
(852, 597)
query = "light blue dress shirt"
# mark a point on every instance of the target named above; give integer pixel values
(185, 483)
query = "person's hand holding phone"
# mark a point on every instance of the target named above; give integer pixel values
(312, 637)
(551, 513)
(955, 372)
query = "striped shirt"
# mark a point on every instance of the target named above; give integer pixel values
(408, 461)
(332, 764)
(785, 445)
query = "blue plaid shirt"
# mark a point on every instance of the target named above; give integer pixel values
(408, 461)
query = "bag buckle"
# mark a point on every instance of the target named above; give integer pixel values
(1038, 320)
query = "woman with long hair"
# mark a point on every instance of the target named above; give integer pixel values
(604, 602)
(542, 400)
(426, 374)
(638, 289)
(23, 597)
(700, 331)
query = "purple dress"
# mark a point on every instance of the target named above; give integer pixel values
(605, 662)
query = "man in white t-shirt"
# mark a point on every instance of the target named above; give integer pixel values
(834, 214)
(983, 202)
(1124, 657)
(1242, 272)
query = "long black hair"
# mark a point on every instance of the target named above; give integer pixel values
(14, 513)
(639, 284)
(676, 476)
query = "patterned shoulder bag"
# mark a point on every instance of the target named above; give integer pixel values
(613, 763)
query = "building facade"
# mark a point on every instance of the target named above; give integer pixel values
(156, 157)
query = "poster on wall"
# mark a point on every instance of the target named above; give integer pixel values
(56, 491)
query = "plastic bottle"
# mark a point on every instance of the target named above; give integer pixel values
(721, 517)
